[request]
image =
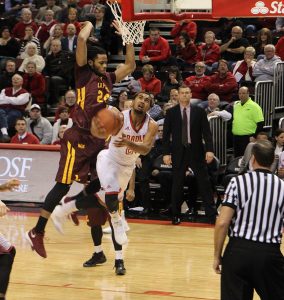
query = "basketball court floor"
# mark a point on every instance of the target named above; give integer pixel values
(163, 262)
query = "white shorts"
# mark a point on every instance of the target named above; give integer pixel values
(113, 177)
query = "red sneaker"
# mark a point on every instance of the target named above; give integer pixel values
(36, 241)
(73, 217)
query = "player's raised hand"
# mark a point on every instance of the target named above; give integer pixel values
(122, 141)
(85, 24)
(116, 25)
(9, 185)
(130, 195)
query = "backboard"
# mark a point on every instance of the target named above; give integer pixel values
(133, 10)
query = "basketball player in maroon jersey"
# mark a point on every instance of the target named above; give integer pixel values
(79, 148)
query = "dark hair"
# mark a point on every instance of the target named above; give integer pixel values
(175, 70)
(263, 152)
(4, 28)
(262, 133)
(149, 94)
(223, 61)
(267, 32)
(278, 131)
(94, 51)
(154, 29)
(21, 119)
(62, 108)
(186, 37)
(119, 94)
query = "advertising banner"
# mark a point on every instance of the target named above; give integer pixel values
(36, 171)
(247, 8)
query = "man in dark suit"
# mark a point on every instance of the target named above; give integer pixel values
(185, 128)
(69, 42)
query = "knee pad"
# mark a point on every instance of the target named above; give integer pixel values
(111, 202)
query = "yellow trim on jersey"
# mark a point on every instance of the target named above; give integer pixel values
(68, 169)
(81, 96)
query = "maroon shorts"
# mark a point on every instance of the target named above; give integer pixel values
(97, 216)
(78, 155)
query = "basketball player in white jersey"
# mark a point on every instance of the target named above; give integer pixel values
(115, 165)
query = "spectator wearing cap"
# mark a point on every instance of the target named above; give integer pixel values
(34, 83)
(13, 101)
(39, 126)
(223, 83)
(23, 136)
(63, 120)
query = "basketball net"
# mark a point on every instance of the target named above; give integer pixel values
(132, 32)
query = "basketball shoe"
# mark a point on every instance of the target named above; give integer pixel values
(61, 211)
(107, 230)
(119, 267)
(118, 229)
(96, 259)
(36, 241)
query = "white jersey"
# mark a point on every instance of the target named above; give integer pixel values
(124, 155)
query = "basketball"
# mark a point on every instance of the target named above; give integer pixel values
(110, 120)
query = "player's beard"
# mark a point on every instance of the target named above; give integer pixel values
(138, 112)
(97, 72)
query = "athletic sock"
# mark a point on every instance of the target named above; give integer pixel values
(118, 255)
(98, 249)
(41, 224)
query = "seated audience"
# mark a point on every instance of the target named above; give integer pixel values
(63, 14)
(63, 120)
(55, 33)
(9, 46)
(121, 98)
(31, 55)
(50, 6)
(43, 32)
(128, 83)
(7, 74)
(213, 108)
(72, 19)
(29, 37)
(34, 83)
(185, 51)
(173, 97)
(173, 81)
(61, 131)
(243, 68)
(149, 83)
(198, 83)
(69, 42)
(23, 136)
(278, 141)
(88, 10)
(264, 37)
(244, 164)
(26, 20)
(187, 26)
(156, 51)
(264, 68)
(279, 24)
(155, 111)
(280, 48)
(208, 52)
(13, 101)
(60, 68)
(233, 49)
(70, 102)
(39, 126)
(223, 83)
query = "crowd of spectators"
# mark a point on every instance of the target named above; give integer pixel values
(37, 62)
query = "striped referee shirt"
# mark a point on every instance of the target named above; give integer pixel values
(258, 200)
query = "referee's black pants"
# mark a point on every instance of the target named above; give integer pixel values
(248, 265)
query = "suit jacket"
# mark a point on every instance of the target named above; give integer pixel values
(199, 131)
(65, 42)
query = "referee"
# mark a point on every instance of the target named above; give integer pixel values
(252, 213)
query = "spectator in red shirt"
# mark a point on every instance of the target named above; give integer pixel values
(43, 32)
(197, 83)
(156, 50)
(72, 19)
(19, 28)
(186, 26)
(186, 51)
(149, 83)
(208, 52)
(223, 83)
(34, 83)
(280, 48)
(23, 136)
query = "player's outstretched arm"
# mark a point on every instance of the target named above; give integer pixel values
(81, 51)
(142, 148)
(129, 64)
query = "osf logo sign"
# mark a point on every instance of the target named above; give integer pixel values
(260, 8)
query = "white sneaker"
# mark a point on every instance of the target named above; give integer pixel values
(124, 222)
(58, 218)
(107, 230)
(119, 232)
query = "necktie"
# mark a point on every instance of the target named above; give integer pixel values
(184, 134)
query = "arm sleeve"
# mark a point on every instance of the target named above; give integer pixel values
(19, 100)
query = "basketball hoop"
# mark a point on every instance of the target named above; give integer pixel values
(132, 32)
